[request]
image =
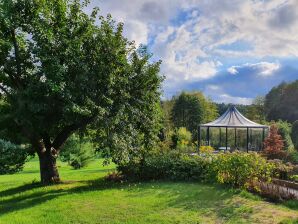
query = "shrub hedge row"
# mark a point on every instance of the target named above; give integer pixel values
(236, 169)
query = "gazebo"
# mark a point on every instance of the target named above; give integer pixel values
(233, 119)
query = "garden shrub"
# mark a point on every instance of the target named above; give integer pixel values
(77, 152)
(187, 167)
(240, 169)
(294, 178)
(293, 157)
(284, 129)
(181, 138)
(274, 145)
(114, 177)
(236, 169)
(206, 149)
(172, 165)
(281, 170)
(12, 157)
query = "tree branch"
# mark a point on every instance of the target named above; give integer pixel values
(47, 140)
(11, 77)
(4, 90)
(35, 140)
(16, 51)
(17, 59)
(68, 130)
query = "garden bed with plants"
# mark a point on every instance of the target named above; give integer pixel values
(249, 171)
(286, 183)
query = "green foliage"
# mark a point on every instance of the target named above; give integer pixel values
(12, 157)
(78, 152)
(181, 138)
(66, 70)
(281, 102)
(294, 134)
(148, 202)
(167, 107)
(206, 149)
(285, 129)
(210, 111)
(256, 111)
(187, 112)
(293, 157)
(172, 165)
(236, 169)
(282, 170)
(240, 169)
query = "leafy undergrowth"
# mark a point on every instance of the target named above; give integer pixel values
(85, 197)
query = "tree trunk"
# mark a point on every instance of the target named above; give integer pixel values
(48, 168)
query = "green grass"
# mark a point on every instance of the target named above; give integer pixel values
(86, 198)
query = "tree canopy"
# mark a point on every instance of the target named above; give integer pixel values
(62, 70)
(12, 157)
(281, 102)
(210, 110)
(294, 134)
(256, 111)
(191, 109)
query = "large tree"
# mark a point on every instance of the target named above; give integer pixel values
(210, 110)
(187, 112)
(256, 110)
(281, 102)
(62, 70)
(294, 134)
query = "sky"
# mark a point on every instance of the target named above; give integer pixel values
(231, 50)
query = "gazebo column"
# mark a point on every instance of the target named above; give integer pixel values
(219, 137)
(235, 137)
(251, 137)
(226, 138)
(208, 136)
(263, 138)
(199, 137)
(247, 139)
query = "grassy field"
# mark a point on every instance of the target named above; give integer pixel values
(86, 198)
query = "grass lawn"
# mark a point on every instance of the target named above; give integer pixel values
(86, 198)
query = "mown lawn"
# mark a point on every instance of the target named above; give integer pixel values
(86, 198)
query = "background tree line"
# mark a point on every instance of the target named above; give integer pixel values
(279, 105)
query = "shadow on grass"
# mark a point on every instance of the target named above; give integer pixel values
(19, 189)
(207, 199)
(189, 196)
(21, 197)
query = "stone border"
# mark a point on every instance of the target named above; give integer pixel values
(286, 183)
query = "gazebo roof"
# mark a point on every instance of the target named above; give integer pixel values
(233, 118)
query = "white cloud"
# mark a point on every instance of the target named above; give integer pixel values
(261, 68)
(233, 70)
(191, 47)
(266, 68)
(138, 15)
(235, 100)
(213, 87)
(270, 26)
(218, 94)
(137, 31)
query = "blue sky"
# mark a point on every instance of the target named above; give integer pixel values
(232, 50)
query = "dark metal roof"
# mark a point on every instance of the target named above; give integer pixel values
(233, 118)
